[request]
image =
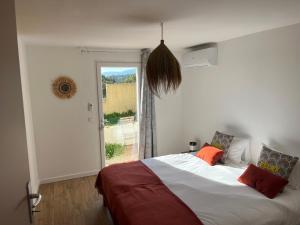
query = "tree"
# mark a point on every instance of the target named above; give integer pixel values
(130, 79)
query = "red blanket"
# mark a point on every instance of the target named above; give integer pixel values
(136, 196)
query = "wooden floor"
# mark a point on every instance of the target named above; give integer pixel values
(71, 202)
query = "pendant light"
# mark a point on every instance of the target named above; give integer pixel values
(163, 69)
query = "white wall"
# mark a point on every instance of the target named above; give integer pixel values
(169, 123)
(254, 91)
(34, 176)
(66, 143)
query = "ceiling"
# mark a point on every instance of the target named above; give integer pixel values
(135, 23)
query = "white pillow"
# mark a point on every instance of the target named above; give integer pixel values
(237, 148)
(294, 179)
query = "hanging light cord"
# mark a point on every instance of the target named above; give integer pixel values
(162, 30)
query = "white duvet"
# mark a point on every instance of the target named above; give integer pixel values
(217, 198)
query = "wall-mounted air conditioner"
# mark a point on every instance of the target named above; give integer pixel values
(201, 57)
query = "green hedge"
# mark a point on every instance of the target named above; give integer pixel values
(112, 150)
(113, 118)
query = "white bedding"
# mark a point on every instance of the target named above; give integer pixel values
(217, 198)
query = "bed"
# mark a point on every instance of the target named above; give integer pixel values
(212, 193)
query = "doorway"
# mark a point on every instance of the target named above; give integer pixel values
(118, 112)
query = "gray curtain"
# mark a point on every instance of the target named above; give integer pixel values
(147, 144)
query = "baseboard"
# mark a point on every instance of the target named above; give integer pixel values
(38, 186)
(68, 177)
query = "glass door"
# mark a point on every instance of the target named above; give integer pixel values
(118, 112)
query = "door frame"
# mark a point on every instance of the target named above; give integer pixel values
(100, 98)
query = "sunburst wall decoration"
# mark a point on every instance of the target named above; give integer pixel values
(64, 87)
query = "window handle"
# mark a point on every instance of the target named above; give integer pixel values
(101, 124)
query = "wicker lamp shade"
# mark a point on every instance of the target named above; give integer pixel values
(162, 70)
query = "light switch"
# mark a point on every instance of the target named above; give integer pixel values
(90, 107)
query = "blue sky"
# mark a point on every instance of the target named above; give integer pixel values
(115, 69)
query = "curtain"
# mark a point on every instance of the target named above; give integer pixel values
(147, 144)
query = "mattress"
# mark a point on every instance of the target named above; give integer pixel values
(217, 198)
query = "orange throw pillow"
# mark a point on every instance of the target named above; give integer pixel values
(210, 154)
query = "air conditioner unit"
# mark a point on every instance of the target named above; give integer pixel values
(202, 57)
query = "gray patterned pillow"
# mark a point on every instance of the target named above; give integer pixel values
(222, 141)
(277, 163)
